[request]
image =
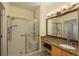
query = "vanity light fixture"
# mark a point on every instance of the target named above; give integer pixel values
(48, 15)
(63, 9)
(51, 13)
(58, 10)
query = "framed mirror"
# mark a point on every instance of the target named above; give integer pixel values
(66, 26)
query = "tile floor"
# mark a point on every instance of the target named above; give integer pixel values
(44, 53)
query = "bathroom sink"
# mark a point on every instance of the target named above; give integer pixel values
(67, 46)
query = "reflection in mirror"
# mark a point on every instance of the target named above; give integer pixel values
(65, 26)
(59, 30)
(54, 28)
(70, 29)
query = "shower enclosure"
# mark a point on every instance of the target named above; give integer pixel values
(23, 36)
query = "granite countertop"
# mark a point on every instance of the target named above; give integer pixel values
(53, 41)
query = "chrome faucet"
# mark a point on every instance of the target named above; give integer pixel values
(68, 41)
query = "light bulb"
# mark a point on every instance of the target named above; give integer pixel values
(64, 7)
(48, 14)
(52, 12)
(58, 10)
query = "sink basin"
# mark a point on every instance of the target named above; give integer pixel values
(67, 46)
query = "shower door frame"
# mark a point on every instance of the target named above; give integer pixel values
(25, 36)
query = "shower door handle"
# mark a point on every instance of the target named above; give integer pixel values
(9, 33)
(23, 35)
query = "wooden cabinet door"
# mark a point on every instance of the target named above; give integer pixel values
(64, 53)
(56, 51)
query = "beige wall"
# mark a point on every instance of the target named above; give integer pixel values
(20, 12)
(37, 13)
(43, 20)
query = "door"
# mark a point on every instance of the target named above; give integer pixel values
(16, 41)
(32, 40)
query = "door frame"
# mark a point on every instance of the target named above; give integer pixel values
(3, 33)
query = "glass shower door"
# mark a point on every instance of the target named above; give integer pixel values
(31, 36)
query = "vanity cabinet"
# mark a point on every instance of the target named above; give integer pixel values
(59, 52)
(64, 53)
(55, 51)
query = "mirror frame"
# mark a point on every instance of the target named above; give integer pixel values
(58, 16)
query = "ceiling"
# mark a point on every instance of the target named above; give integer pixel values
(28, 5)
